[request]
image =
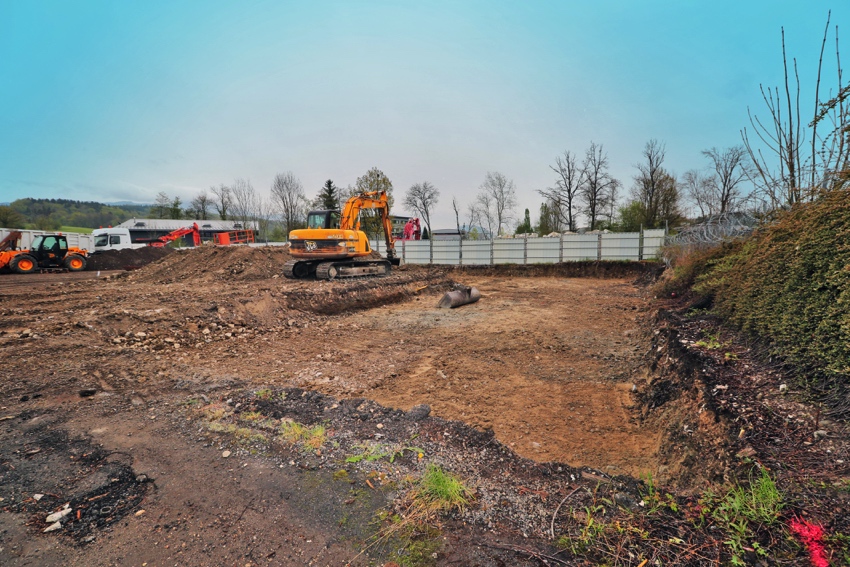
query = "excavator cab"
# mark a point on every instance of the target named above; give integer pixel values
(323, 219)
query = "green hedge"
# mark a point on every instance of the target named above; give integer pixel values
(790, 284)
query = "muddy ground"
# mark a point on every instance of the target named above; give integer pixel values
(157, 406)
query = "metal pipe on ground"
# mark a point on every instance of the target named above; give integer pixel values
(461, 296)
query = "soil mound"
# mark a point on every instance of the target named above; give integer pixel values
(212, 263)
(120, 259)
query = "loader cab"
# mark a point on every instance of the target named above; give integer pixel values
(49, 250)
(323, 219)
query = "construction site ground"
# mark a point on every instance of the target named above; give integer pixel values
(155, 405)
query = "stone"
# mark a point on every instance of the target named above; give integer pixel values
(56, 516)
(226, 454)
(420, 412)
(53, 527)
(37, 497)
(783, 388)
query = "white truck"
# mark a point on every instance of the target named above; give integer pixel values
(113, 239)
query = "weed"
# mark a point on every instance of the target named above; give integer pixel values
(653, 499)
(251, 416)
(376, 451)
(711, 342)
(341, 474)
(590, 532)
(297, 433)
(264, 394)
(439, 490)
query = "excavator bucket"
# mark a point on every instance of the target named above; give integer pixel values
(462, 295)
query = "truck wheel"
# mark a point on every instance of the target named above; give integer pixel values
(75, 263)
(23, 264)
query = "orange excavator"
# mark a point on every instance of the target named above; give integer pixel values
(48, 252)
(333, 246)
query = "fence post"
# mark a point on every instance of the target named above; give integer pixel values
(560, 248)
(491, 249)
(460, 251)
(525, 249)
(430, 250)
(599, 247)
(640, 244)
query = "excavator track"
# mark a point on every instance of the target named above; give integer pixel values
(299, 269)
(353, 269)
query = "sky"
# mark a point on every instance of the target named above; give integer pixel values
(118, 101)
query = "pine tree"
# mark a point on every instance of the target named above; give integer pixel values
(525, 226)
(329, 196)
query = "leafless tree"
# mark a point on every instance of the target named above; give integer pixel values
(474, 220)
(287, 195)
(731, 168)
(496, 201)
(457, 214)
(201, 205)
(650, 185)
(422, 197)
(162, 206)
(798, 173)
(565, 195)
(245, 201)
(598, 190)
(223, 200)
(698, 187)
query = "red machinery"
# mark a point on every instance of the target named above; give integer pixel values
(234, 237)
(161, 241)
(412, 230)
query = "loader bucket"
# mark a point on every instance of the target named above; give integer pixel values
(461, 296)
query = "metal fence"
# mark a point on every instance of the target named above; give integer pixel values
(74, 238)
(634, 246)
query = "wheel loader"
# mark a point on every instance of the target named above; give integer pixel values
(333, 246)
(48, 252)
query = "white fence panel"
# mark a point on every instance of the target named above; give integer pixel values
(621, 246)
(579, 247)
(417, 252)
(509, 251)
(653, 240)
(74, 238)
(543, 250)
(446, 252)
(476, 252)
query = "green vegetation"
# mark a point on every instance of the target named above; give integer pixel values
(439, 490)
(788, 284)
(69, 216)
(309, 437)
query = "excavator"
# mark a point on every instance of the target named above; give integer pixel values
(333, 246)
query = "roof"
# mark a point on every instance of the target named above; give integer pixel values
(174, 224)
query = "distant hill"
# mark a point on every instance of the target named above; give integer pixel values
(50, 214)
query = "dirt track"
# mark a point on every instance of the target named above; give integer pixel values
(546, 363)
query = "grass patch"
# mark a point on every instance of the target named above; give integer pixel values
(441, 491)
(298, 434)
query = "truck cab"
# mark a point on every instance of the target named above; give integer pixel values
(113, 239)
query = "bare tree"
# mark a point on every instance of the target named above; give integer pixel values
(287, 195)
(598, 189)
(700, 191)
(496, 201)
(649, 182)
(422, 197)
(474, 220)
(798, 174)
(245, 203)
(201, 205)
(564, 196)
(457, 215)
(730, 170)
(162, 206)
(223, 200)
(374, 180)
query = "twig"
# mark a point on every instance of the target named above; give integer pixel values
(530, 552)
(552, 525)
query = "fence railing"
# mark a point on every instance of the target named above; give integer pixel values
(635, 246)
(74, 238)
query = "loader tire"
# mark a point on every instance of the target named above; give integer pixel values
(23, 264)
(75, 263)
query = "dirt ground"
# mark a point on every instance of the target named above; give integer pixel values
(144, 401)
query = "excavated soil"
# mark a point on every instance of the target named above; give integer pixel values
(148, 402)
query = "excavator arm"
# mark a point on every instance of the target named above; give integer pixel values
(350, 219)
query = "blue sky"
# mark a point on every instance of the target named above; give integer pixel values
(113, 101)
